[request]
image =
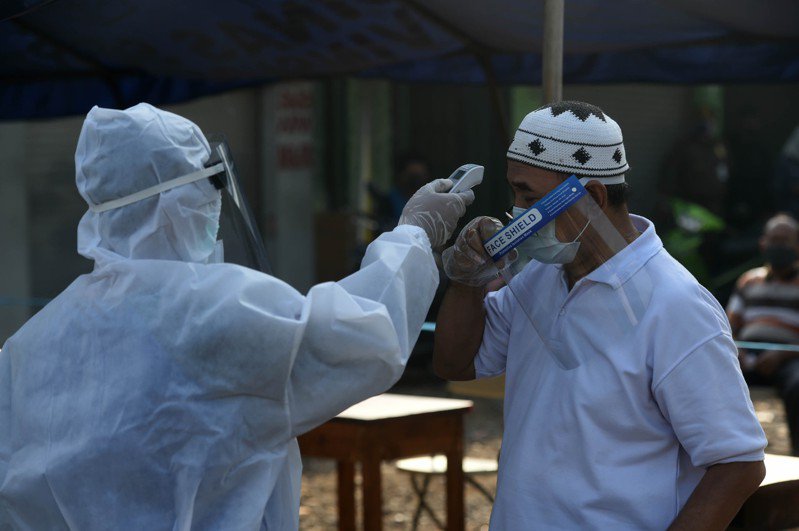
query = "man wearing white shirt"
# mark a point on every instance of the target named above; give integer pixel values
(654, 428)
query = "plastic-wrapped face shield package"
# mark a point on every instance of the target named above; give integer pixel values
(566, 234)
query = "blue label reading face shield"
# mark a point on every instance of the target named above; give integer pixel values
(534, 218)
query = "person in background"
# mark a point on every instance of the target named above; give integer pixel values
(411, 170)
(765, 308)
(166, 388)
(655, 429)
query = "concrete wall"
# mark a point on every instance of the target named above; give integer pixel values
(14, 257)
(55, 207)
(41, 209)
(288, 158)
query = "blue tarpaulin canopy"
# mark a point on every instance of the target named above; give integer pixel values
(60, 57)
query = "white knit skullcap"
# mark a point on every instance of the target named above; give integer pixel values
(572, 137)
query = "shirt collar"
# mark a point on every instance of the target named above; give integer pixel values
(624, 264)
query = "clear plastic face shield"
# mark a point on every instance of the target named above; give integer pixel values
(238, 239)
(567, 235)
(238, 231)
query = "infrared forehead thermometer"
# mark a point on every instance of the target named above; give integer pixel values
(466, 177)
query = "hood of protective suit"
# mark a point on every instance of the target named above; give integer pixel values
(123, 152)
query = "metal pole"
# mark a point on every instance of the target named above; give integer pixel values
(552, 51)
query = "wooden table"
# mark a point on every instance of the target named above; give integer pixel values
(388, 427)
(775, 504)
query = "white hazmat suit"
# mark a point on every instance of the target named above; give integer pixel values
(164, 392)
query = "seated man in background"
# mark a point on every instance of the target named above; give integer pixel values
(765, 307)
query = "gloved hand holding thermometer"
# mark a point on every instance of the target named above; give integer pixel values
(437, 206)
(467, 261)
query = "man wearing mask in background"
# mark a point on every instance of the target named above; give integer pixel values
(653, 428)
(412, 171)
(765, 307)
(165, 391)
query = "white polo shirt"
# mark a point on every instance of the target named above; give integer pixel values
(621, 441)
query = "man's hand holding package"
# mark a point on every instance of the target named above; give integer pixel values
(467, 262)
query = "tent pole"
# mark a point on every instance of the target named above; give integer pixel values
(552, 51)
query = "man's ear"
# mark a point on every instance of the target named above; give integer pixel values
(599, 192)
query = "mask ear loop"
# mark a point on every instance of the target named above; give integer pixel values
(582, 231)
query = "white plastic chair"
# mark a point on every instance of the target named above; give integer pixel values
(422, 470)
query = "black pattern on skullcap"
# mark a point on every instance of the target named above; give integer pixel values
(577, 108)
(581, 156)
(536, 147)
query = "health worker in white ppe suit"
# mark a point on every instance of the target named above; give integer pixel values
(165, 391)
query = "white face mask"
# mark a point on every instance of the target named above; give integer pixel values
(217, 256)
(545, 247)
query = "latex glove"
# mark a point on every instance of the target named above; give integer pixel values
(436, 211)
(467, 261)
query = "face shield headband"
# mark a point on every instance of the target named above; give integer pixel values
(205, 173)
(243, 244)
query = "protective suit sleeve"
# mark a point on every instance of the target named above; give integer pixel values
(360, 330)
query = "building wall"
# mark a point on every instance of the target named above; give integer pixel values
(289, 159)
(15, 278)
(39, 237)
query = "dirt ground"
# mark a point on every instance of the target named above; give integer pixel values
(482, 437)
